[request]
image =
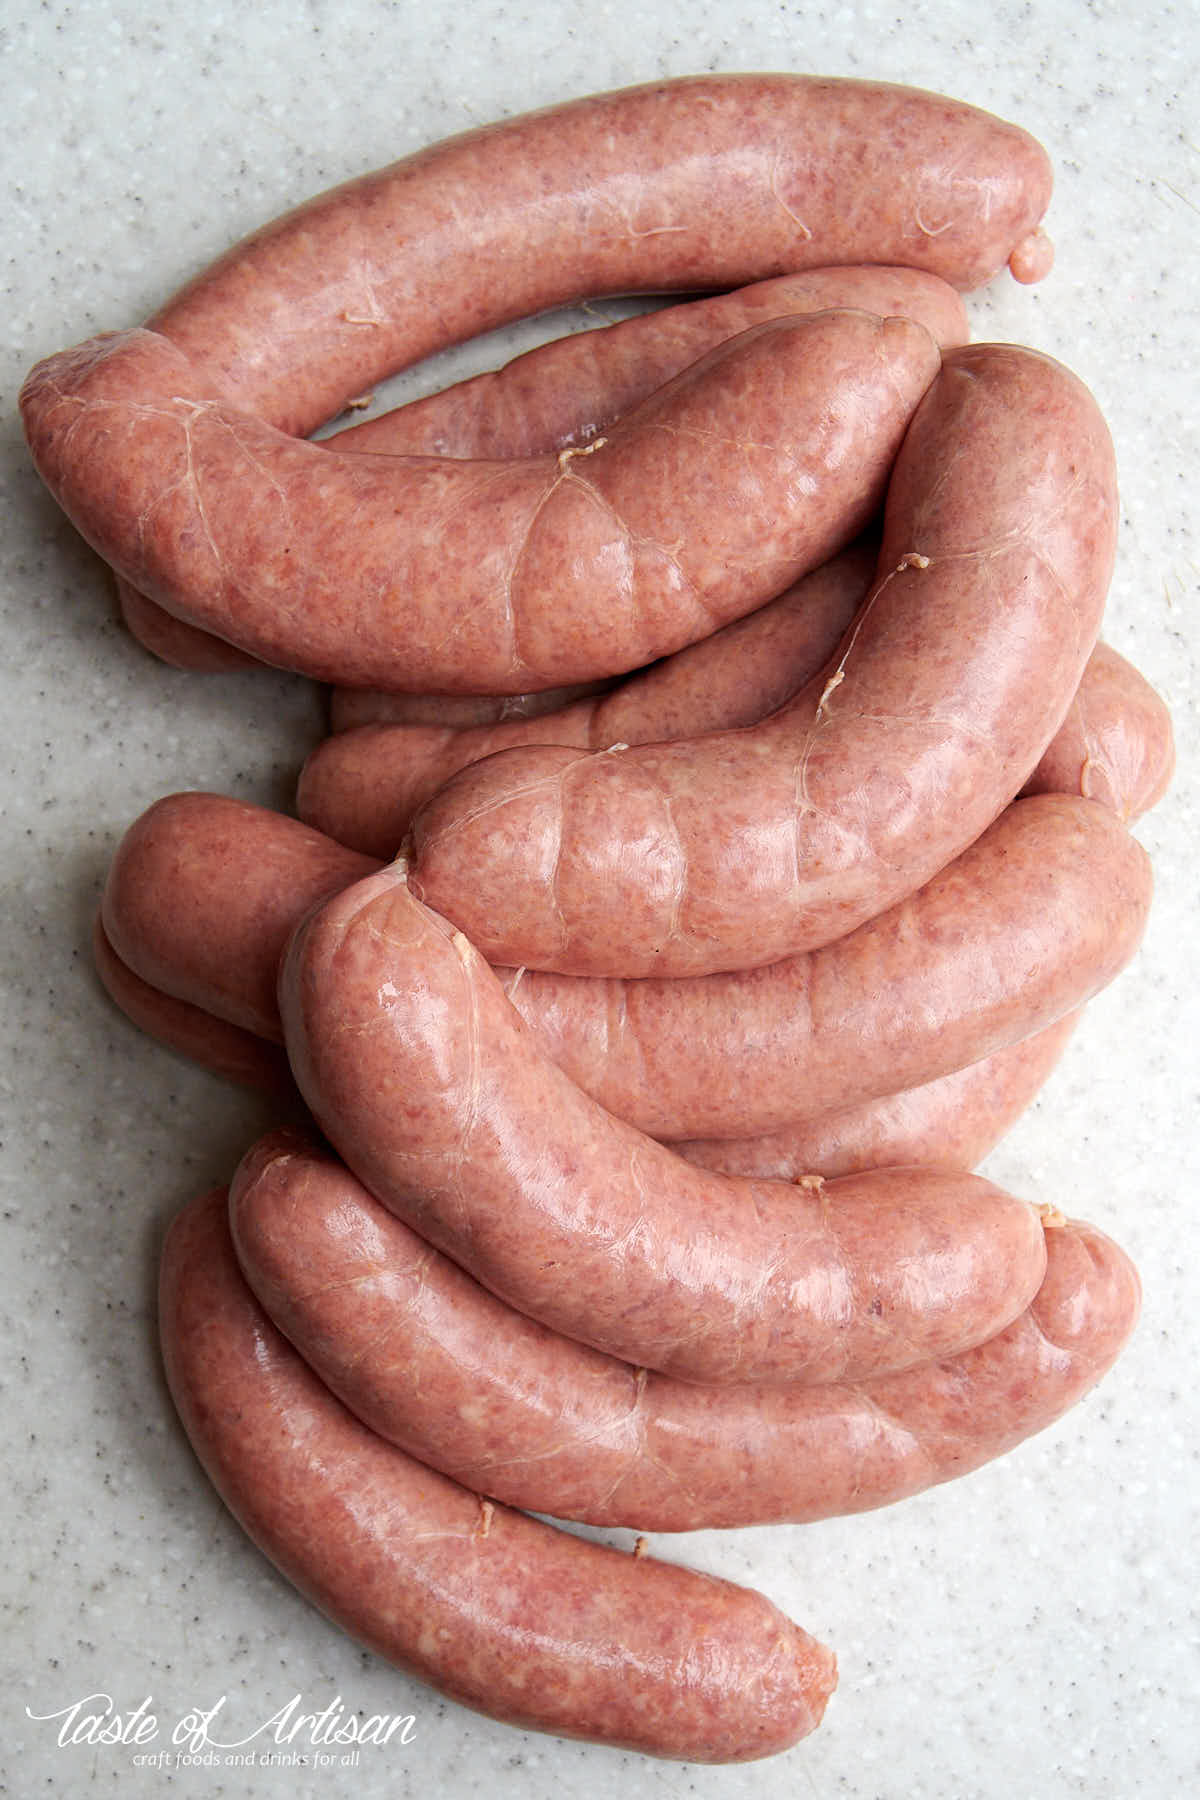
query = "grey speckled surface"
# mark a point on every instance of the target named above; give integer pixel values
(1032, 1631)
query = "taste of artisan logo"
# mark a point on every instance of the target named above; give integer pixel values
(202, 1737)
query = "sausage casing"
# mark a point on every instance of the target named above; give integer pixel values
(497, 1610)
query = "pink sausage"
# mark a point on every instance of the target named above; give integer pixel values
(192, 1031)
(564, 393)
(203, 894)
(1039, 914)
(949, 1123)
(498, 1611)
(1026, 925)
(173, 640)
(998, 545)
(709, 182)
(429, 1084)
(1115, 745)
(363, 787)
(436, 1364)
(753, 465)
(352, 707)
(567, 391)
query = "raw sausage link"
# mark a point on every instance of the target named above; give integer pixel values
(203, 894)
(436, 1364)
(710, 182)
(496, 1610)
(998, 545)
(173, 640)
(566, 392)
(1026, 925)
(753, 465)
(949, 1123)
(351, 707)
(363, 787)
(1115, 744)
(190, 1030)
(423, 1076)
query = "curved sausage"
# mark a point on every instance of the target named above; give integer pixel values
(1034, 918)
(192, 1031)
(753, 465)
(363, 787)
(709, 182)
(498, 1611)
(203, 893)
(998, 545)
(435, 1093)
(563, 394)
(436, 1364)
(173, 640)
(1026, 925)
(1116, 744)
(951, 1122)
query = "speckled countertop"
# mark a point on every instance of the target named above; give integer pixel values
(1031, 1631)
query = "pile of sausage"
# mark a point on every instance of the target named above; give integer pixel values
(723, 825)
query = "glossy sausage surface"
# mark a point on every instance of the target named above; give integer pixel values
(433, 1362)
(709, 182)
(362, 787)
(437, 1095)
(1025, 926)
(564, 393)
(496, 1610)
(743, 847)
(754, 464)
